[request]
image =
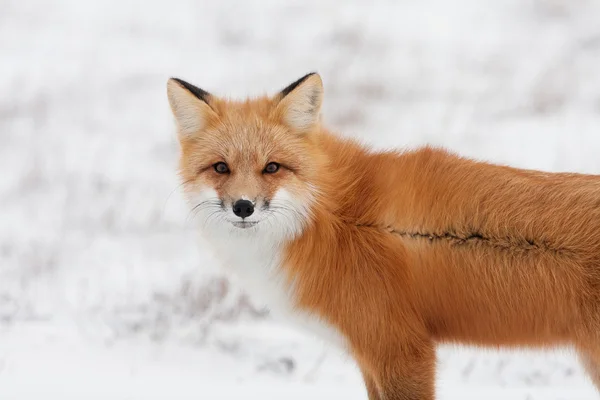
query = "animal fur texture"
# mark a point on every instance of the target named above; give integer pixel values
(388, 254)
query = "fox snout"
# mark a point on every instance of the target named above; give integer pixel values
(243, 208)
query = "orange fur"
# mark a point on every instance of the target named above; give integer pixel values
(405, 250)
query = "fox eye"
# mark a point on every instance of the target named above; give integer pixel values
(221, 168)
(271, 168)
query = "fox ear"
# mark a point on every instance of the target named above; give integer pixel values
(190, 106)
(299, 104)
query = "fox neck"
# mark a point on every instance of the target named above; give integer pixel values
(347, 185)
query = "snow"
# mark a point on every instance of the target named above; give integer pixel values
(105, 290)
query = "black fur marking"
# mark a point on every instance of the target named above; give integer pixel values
(196, 91)
(294, 85)
(474, 238)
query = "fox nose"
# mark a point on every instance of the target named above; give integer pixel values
(243, 208)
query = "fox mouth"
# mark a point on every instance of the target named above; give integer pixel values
(244, 224)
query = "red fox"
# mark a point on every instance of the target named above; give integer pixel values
(387, 254)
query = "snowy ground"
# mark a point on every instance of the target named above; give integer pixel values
(104, 291)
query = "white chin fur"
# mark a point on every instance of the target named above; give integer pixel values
(258, 264)
(284, 219)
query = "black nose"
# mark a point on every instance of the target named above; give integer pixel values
(243, 208)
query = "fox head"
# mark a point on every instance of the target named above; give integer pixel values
(249, 167)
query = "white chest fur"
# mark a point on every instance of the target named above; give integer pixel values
(256, 262)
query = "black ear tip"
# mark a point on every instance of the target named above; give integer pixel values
(196, 91)
(181, 81)
(295, 84)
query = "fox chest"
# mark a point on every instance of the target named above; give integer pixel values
(258, 268)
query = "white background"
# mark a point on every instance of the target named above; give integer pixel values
(104, 290)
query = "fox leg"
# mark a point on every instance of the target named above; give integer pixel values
(406, 372)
